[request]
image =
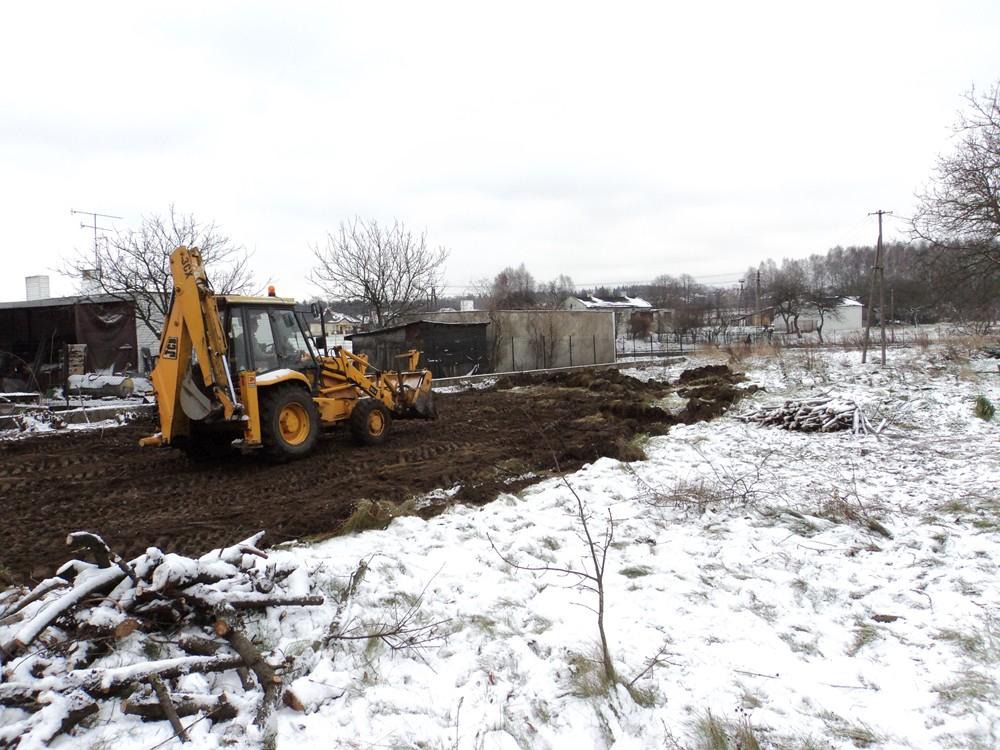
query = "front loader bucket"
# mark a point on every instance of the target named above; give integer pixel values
(414, 393)
(423, 405)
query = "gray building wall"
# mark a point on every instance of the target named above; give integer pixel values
(532, 339)
(145, 338)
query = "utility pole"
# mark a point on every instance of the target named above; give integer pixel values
(757, 301)
(93, 225)
(878, 272)
(892, 312)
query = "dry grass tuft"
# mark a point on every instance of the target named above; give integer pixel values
(375, 514)
(713, 733)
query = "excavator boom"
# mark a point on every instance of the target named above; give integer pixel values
(192, 331)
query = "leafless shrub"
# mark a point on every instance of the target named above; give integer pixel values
(403, 629)
(727, 486)
(846, 506)
(589, 578)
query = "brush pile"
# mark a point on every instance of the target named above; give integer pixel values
(161, 632)
(821, 414)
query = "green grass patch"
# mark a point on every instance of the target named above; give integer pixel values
(636, 571)
(984, 408)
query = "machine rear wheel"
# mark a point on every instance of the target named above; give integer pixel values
(289, 421)
(370, 421)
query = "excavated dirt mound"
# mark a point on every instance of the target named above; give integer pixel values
(485, 441)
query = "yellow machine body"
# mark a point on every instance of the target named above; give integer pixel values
(207, 399)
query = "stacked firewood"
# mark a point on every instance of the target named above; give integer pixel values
(110, 629)
(820, 414)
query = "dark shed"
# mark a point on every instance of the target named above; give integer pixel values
(448, 349)
(32, 335)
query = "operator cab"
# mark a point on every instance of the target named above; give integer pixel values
(266, 334)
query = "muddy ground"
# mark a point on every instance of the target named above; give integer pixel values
(486, 441)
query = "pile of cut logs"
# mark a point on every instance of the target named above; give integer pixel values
(821, 414)
(110, 629)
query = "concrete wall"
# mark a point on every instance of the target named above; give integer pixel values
(532, 339)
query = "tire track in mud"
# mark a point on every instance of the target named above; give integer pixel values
(486, 441)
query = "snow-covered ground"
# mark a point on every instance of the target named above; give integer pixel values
(808, 590)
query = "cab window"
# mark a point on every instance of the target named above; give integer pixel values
(238, 339)
(261, 340)
(292, 346)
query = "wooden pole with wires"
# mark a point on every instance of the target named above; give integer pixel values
(878, 274)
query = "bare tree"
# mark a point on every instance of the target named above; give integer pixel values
(961, 206)
(786, 288)
(134, 264)
(389, 268)
(822, 305)
(513, 289)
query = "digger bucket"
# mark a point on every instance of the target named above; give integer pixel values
(423, 404)
(415, 392)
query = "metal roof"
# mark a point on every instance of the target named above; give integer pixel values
(99, 299)
(389, 329)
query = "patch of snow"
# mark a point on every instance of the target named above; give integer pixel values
(473, 385)
(274, 375)
(815, 587)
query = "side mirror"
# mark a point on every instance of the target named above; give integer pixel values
(319, 342)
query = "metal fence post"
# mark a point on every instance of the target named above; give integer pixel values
(595, 349)
(513, 365)
(570, 351)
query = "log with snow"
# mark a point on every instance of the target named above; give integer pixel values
(95, 384)
(109, 629)
(820, 414)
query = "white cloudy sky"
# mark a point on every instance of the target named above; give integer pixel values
(609, 141)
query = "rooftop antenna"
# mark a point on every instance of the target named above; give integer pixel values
(93, 225)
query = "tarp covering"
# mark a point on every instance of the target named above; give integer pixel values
(108, 330)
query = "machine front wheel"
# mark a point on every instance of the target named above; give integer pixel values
(370, 421)
(289, 421)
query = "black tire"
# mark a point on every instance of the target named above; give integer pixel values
(296, 436)
(370, 422)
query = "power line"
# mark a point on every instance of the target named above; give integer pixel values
(734, 275)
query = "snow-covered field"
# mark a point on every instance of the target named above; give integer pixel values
(793, 590)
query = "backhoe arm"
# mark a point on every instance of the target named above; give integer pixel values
(193, 327)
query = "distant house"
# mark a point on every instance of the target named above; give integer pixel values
(337, 324)
(846, 314)
(633, 315)
(591, 302)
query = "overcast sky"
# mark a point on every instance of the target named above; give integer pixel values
(609, 141)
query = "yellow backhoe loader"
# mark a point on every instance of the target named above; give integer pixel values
(243, 371)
